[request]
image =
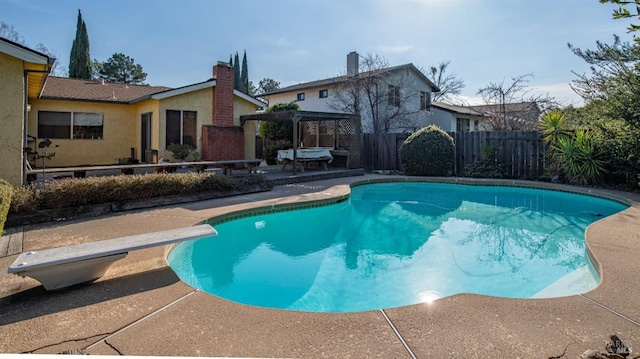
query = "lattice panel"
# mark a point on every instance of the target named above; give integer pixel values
(337, 134)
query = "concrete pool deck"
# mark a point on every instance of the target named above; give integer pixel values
(141, 308)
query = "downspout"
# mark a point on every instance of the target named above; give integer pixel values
(25, 128)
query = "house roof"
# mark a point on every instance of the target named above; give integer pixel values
(37, 65)
(343, 78)
(509, 107)
(464, 110)
(62, 88)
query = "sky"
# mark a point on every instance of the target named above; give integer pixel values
(177, 42)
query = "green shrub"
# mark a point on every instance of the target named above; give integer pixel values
(278, 130)
(270, 153)
(76, 192)
(427, 152)
(579, 158)
(487, 167)
(180, 151)
(5, 200)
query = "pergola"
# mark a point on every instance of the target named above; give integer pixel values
(345, 124)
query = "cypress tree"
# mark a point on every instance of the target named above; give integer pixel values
(236, 73)
(244, 76)
(80, 60)
(231, 60)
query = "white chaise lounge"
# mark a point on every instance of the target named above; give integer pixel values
(62, 267)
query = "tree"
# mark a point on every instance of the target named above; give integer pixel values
(9, 32)
(236, 72)
(80, 60)
(623, 13)
(369, 96)
(509, 107)
(449, 84)
(267, 85)
(121, 68)
(244, 75)
(612, 111)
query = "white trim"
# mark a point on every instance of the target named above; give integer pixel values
(246, 97)
(23, 54)
(183, 90)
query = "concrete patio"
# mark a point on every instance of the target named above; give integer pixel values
(141, 307)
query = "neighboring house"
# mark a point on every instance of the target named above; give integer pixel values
(402, 96)
(91, 122)
(454, 118)
(517, 116)
(510, 117)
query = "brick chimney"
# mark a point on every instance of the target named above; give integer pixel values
(353, 63)
(222, 140)
(223, 95)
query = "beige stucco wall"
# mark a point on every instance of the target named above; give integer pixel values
(11, 118)
(200, 101)
(241, 108)
(121, 125)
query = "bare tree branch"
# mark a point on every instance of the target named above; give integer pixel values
(449, 84)
(510, 107)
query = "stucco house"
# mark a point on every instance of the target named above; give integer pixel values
(401, 96)
(23, 72)
(92, 122)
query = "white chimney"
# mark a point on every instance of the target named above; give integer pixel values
(353, 63)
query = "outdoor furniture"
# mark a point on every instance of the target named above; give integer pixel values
(62, 267)
(81, 172)
(320, 155)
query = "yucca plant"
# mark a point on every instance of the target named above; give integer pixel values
(579, 158)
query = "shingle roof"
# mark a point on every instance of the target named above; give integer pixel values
(62, 88)
(466, 110)
(343, 78)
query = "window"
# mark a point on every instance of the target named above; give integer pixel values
(393, 95)
(301, 96)
(324, 93)
(462, 125)
(425, 100)
(181, 127)
(67, 125)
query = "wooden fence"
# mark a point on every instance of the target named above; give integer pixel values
(520, 152)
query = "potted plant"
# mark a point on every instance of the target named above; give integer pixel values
(180, 151)
(195, 157)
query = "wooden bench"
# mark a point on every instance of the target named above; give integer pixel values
(81, 171)
(229, 165)
(62, 267)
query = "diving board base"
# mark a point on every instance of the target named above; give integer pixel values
(68, 274)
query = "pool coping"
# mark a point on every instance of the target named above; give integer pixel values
(464, 325)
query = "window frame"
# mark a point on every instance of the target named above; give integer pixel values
(300, 96)
(393, 95)
(181, 127)
(74, 131)
(323, 93)
(425, 100)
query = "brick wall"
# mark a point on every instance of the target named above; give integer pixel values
(222, 140)
(223, 95)
(222, 143)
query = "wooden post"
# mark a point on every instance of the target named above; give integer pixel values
(295, 120)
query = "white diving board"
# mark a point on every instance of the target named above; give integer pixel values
(61, 267)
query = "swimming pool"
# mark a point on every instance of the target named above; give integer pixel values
(401, 243)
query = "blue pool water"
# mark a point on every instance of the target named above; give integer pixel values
(395, 244)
